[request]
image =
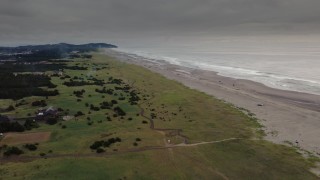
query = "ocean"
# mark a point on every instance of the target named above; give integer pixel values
(282, 63)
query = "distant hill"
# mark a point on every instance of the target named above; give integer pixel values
(62, 46)
(47, 51)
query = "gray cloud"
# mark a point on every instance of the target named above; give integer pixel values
(23, 21)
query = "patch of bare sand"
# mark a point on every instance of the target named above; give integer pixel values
(23, 138)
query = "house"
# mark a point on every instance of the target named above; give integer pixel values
(45, 113)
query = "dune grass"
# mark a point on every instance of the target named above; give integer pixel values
(200, 117)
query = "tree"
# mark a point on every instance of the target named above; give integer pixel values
(30, 124)
(52, 120)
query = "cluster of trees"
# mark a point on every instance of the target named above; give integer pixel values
(12, 151)
(96, 81)
(126, 88)
(79, 94)
(73, 83)
(105, 91)
(41, 55)
(10, 80)
(7, 126)
(22, 67)
(30, 124)
(108, 105)
(19, 93)
(134, 98)
(14, 126)
(24, 85)
(115, 81)
(97, 145)
(94, 108)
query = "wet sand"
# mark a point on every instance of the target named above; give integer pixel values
(287, 116)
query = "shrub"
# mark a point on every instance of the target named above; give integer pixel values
(153, 115)
(79, 113)
(13, 151)
(119, 111)
(97, 144)
(30, 147)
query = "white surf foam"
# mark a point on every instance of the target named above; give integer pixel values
(270, 79)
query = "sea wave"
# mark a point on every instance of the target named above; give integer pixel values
(273, 80)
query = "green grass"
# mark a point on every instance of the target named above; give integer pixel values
(201, 117)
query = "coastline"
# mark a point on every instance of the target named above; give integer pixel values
(288, 117)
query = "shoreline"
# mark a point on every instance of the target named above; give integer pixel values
(288, 117)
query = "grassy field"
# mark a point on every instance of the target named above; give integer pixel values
(179, 114)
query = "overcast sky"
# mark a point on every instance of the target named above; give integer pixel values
(44, 21)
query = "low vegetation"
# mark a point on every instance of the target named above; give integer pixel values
(138, 120)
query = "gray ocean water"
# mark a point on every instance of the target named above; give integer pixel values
(284, 63)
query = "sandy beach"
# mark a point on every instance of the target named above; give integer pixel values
(288, 117)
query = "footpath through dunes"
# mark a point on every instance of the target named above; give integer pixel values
(27, 158)
(174, 132)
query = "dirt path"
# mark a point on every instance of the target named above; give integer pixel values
(178, 132)
(141, 149)
(202, 143)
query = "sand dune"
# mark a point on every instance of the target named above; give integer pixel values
(288, 117)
